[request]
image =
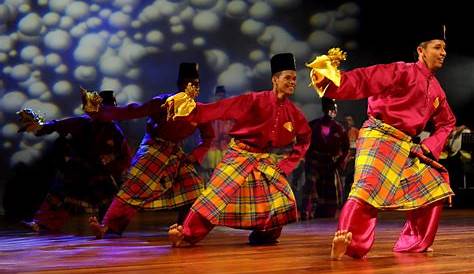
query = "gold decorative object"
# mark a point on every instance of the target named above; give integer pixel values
(182, 103)
(326, 67)
(288, 126)
(30, 121)
(192, 90)
(436, 103)
(91, 100)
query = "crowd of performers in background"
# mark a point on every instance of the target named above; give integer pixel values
(254, 152)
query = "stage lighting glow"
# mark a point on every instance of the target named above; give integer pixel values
(87, 73)
(237, 9)
(261, 11)
(37, 89)
(232, 82)
(77, 10)
(134, 92)
(61, 69)
(252, 27)
(12, 101)
(178, 47)
(217, 59)
(30, 24)
(62, 88)
(206, 21)
(57, 40)
(199, 41)
(21, 72)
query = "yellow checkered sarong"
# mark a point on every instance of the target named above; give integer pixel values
(391, 171)
(247, 191)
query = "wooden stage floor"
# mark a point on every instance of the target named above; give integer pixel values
(303, 248)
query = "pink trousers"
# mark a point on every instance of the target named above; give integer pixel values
(118, 216)
(196, 227)
(50, 215)
(417, 235)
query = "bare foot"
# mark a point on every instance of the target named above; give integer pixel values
(98, 229)
(342, 238)
(175, 234)
(33, 225)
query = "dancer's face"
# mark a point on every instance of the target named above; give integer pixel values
(332, 113)
(349, 121)
(432, 53)
(284, 83)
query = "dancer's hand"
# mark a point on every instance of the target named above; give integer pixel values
(427, 152)
(30, 121)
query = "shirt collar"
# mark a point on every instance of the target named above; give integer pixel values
(275, 98)
(424, 69)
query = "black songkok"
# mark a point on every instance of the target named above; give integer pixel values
(282, 61)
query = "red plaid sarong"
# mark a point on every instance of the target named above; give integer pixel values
(160, 177)
(247, 191)
(391, 171)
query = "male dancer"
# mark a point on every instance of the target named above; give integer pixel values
(95, 155)
(249, 189)
(162, 176)
(392, 172)
(324, 164)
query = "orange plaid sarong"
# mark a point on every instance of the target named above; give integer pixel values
(160, 177)
(391, 171)
(247, 191)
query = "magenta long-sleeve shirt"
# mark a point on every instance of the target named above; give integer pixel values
(262, 121)
(158, 126)
(403, 95)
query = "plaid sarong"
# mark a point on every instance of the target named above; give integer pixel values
(391, 171)
(160, 177)
(247, 191)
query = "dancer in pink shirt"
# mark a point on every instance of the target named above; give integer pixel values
(391, 171)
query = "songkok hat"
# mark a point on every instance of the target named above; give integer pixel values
(328, 104)
(431, 32)
(108, 97)
(188, 71)
(219, 89)
(282, 61)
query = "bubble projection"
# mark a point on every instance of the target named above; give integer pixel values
(50, 48)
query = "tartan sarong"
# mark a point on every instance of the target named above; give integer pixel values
(247, 191)
(160, 177)
(391, 171)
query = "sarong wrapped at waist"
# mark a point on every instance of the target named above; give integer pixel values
(247, 191)
(391, 171)
(160, 177)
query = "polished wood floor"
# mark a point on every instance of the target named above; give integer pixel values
(303, 248)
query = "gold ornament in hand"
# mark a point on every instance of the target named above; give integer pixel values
(326, 67)
(30, 121)
(182, 103)
(336, 55)
(191, 90)
(91, 100)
